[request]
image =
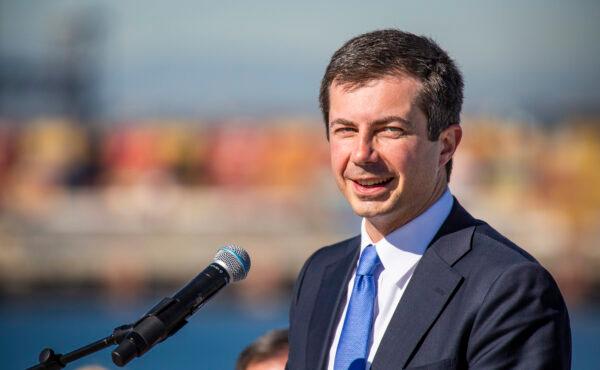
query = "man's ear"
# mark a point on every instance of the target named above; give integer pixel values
(450, 139)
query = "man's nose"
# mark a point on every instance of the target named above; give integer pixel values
(364, 152)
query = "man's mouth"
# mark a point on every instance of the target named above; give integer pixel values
(373, 183)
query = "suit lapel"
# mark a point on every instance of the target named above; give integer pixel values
(426, 295)
(332, 291)
(430, 288)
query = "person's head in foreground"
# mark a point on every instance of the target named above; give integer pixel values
(268, 352)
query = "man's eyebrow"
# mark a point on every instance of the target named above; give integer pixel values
(342, 121)
(390, 119)
(377, 122)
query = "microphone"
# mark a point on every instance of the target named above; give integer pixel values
(170, 314)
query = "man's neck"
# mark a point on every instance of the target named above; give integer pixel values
(379, 227)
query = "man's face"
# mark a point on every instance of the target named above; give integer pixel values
(381, 157)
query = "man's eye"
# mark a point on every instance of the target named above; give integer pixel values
(395, 131)
(344, 130)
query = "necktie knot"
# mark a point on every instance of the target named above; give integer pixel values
(369, 260)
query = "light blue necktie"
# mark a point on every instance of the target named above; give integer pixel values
(353, 347)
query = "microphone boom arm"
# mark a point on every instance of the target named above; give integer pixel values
(49, 360)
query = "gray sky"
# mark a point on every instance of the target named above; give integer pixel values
(211, 58)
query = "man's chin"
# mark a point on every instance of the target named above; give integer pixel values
(368, 211)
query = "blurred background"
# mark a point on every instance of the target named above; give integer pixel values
(136, 138)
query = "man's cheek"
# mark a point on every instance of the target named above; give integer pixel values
(339, 157)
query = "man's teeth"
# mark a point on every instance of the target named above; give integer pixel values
(372, 182)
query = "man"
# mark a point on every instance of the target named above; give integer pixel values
(269, 352)
(425, 285)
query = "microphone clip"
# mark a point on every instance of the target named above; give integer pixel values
(145, 333)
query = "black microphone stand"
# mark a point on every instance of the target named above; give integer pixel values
(49, 360)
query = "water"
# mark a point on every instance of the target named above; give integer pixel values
(211, 341)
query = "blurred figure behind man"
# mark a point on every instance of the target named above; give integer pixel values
(268, 352)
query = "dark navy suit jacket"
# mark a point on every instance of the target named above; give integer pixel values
(475, 300)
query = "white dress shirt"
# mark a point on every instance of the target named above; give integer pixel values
(399, 253)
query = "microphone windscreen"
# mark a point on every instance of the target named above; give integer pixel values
(235, 260)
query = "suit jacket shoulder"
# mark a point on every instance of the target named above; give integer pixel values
(477, 300)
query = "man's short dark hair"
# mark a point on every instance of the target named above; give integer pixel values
(271, 345)
(392, 52)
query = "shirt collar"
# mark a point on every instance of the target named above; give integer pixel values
(408, 243)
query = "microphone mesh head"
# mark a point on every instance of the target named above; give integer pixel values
(235, 260)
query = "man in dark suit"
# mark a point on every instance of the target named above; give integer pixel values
(425, 285)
